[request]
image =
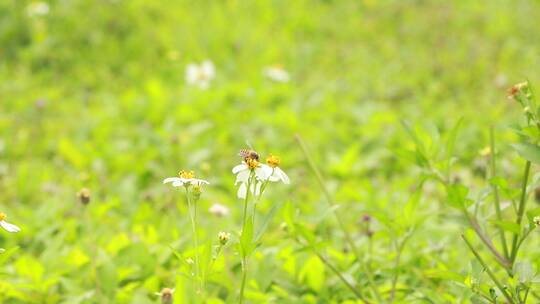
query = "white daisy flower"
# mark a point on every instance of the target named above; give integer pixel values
(243, 174)
(200, 74)
(7, 226)
(243, 171)
(219, 210)
(186, 178)
(37, 9)
(276, 173)
(277, 73)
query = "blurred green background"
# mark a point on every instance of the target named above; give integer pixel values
(93, 94)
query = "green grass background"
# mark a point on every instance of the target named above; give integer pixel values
(93, 95)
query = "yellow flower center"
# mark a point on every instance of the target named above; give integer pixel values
(252, 163)
(273, 161)
(2, 216)
(186, 174)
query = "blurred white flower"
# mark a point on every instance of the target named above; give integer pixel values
(186, 178)
(7, 226)
(200, 74)
(276, 173)
(276, 73)
(35, 9)
(219, 210)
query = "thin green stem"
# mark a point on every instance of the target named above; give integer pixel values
(496, 191)
(488, 270)
(244, 276)
(399, 250)
(193, 216)
(521, 211)
(341, 224)
(244, 223)
(486, 240)
(340, 276)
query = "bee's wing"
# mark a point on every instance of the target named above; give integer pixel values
(249, 145)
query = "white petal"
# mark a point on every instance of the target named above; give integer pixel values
(256, 188)
(197, 181)
(192, 72)
(282, 176)
(243, 176)
(263, 172)
(171, 180)
(242, 191)
(239, 168)
(207, 68)
(9, 227)
(178, 183)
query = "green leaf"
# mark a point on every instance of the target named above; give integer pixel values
(266, 220)
(6, 254)
(246, 239)
(312, 273)
(450, 143)
(528, 151)
(508, 226)
(457, 195)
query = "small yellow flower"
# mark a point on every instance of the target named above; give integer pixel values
(485, 151)
(536, 221)
(273, 161)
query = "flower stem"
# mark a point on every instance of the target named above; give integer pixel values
(488, 270)
(521, 210)
(496, 191)
(193, 216)
(346, 233)
(340, 276)
(486, 240)
(244, 255)
(244, 276)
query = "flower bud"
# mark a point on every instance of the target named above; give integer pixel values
(536, 221)
(84, 196)
(223, 237)
(196, 190)
(166, 295)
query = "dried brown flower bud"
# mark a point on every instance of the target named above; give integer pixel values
(84, 196)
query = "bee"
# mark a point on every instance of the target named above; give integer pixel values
(249, 154)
